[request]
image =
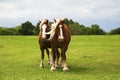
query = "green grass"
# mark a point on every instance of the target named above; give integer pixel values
(88, 58)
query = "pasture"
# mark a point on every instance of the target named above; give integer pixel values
(88, 58)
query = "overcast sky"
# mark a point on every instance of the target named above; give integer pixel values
(105, 13)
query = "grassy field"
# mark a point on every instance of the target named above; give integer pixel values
(88, 58)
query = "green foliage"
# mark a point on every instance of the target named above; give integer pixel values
(27, 28)
(37, 29)
(77, 29)
(95, 29)
(115, 31)
(88, 58)
(17, 28)
(88, 31)
(7, 31)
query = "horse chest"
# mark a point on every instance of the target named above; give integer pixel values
(45, 44)
(58, 44)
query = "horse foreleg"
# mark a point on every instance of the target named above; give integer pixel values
(64, 65)
(57, 58)
(42, 58)
(47, 51)
(53, 61)
(61, 63)
(50, 58)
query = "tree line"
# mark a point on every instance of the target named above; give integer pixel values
(27, 28)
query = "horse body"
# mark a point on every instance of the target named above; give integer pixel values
(60, 39)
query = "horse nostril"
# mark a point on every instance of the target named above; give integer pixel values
(60, 40)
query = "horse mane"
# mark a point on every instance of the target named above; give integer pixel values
(52, 32)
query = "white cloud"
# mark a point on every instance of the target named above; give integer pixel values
(75, 9)
(68, 8)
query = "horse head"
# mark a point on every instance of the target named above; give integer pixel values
(59, 32)
(44, 27)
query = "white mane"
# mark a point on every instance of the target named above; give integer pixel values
(52, 32)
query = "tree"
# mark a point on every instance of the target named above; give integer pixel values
(88, 31)
(75, 30)
(27, 28)
(74, 26)
(115, 31)
(79, 29)
(37, 28)
(7, 31)
(96, 30)
(82, 29)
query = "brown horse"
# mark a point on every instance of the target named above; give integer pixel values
(44, 43)
(60, 37)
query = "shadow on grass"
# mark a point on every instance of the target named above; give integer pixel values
(78, 70)
(99, 68)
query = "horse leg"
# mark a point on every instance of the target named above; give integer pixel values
(42, 58)
(61, 63)
(53, 61)
(63, 54)
(50, 58)
(47, 51)
(57, 58)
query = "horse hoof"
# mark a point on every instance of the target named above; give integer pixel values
(56, 65)
(41, 66)
(61, 65)
(52, 69)
(65, 69)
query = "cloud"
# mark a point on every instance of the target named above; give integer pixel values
(68, 8)
(78, 10)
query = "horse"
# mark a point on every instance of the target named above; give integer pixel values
(44, 43)
(60, 37)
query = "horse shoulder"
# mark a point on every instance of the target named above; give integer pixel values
(67, 33)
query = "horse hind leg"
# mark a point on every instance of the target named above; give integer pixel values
(42, 59)
(47, 51)
(65, 68)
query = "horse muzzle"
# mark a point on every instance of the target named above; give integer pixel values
(60, 39)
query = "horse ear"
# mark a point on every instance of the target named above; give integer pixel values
(47, 20)
(54, 19)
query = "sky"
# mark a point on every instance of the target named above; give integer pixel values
(105, 13)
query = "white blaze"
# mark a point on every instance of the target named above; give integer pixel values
(61, 32)
(44, 31)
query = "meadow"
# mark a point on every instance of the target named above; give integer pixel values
(88, 58)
